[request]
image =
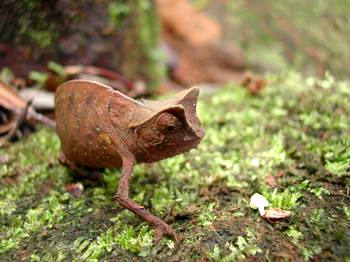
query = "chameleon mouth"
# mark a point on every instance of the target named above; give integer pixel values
(194, 123)
(199, 131)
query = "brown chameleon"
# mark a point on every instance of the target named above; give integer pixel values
(100, 127)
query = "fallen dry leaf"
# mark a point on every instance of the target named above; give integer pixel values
(194, 47)
(41, 100)
(75, 189)
(14, 111)
(271, 181)
(12, 102)
(9, 98)
(181, 18)
(254, 83)
(108, 77)
(276, 214)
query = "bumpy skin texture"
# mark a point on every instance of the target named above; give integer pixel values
(100, 127)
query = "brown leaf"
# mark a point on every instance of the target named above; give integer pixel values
(111, 78)
(14, 111)
(41, 100)
(179, 17)
(9, 98)
(75, 189)
(270, 180)
(194, 47)
(11, 101)
(276, 214)
(254, 83)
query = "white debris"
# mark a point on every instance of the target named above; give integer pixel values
(255, 162)
(259, 202)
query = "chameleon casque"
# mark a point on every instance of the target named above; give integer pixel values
(100, 127)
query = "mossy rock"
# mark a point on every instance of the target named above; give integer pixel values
(290, 143)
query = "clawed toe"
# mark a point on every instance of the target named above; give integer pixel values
(159, 234)
(162, 228)
(171, 232)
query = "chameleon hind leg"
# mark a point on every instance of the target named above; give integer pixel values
(81, 172)
(122, 197)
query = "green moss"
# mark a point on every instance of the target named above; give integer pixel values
(347, 212)
(135, 240)
(47, 214)
(284, 200)
(29, 23)
(239, 250)
(117, 12)
(294, 234)
(207, 217)
(294, 130)
(149, 36)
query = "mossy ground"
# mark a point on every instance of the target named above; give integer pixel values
(290, 143)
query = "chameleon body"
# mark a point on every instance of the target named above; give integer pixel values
(100, 127)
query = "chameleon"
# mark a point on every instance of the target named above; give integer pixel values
(100, 127)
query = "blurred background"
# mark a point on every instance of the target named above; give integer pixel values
(147, 47)
(274, 80)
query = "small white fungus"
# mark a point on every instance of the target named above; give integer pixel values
(259, 202)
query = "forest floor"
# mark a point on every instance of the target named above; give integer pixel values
(290, 143)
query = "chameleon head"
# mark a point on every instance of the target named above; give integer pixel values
(173, 130)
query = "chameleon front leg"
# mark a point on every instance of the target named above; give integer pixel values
(123, 199)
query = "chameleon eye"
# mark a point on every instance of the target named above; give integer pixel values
(168, 122)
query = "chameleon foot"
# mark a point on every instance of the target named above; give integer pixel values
(92, 174)
(160, 226)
